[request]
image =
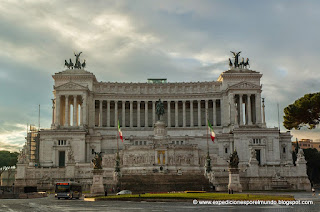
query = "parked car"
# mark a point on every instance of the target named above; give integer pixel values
(124, 192)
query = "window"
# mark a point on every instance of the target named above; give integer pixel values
(140, 142)
(283, 150)
(145, 142)
(226, 150)
(256, 141)
(181, 142)
(62, 142)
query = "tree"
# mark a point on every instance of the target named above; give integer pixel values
(312, 157)
(7, 160)
(303, 112)
(295, 152)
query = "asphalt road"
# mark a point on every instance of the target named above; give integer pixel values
(50, 203)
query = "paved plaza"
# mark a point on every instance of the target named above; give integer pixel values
(50, 203)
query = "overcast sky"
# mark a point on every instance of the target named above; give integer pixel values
(132, 40)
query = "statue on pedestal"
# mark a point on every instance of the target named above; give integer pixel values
(159, 109)
(234, 160)
(97, 161)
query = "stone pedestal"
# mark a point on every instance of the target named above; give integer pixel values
(234, 180)
(160, 130)
(253, 169)
(70, 170)
(97, 187)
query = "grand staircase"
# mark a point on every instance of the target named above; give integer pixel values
(164, 183)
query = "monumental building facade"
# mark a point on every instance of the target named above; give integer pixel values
(86, 113)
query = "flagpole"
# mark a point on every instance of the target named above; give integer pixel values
(208, 164)
(207, 132)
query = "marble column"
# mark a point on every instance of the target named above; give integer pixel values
(58, 100)
(146, 113)
(100, 114)
(249, 109)
(184, 113)
(153, 112)
(53, 115)
(169, 113)
(84, 111)
(108, 113)
(116, 113)
(258, 108)
(131, 113)
(263, 112)
(176, 113)
(138, 114)
(75, 110)
(123, 124)
(81, 112)
(191, 113)
(236, 112)
(199, 113)
(241, 108)
(66, 113)
(214, 112)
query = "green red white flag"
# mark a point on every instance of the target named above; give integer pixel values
(120, 133)
(212, 134)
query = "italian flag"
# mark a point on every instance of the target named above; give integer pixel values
(120, 133)
(212, 134)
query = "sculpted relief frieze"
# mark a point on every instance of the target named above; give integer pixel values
(166, 88)
(70, 86)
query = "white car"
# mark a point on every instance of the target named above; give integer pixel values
(124, 192)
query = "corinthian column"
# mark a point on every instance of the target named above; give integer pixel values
(154, 112)
(169, 113)
(184, 113)
(108, 113)
(116, 113)
(176, 113)
(57, 121)
(66, 114)
(146, 114)
(191, 113)
(53, 115)
(199, 113)
(84, 111)
(100, 114)
(131, 113)
(241, 108)
(249, 109)
(138, 113)
(214, 106)
(123, 114)
(75, 110)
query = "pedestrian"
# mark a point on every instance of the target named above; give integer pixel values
(313, 191)
(113, 190)
(106, 192)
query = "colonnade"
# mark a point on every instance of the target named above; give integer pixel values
(180, 113)
(246, 109)
(62, 110)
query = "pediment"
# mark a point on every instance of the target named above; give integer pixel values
(70, 86)
(244, 85)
